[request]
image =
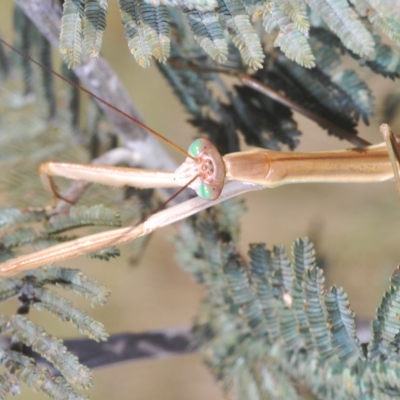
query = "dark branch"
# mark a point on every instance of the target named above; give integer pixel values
(122, 347)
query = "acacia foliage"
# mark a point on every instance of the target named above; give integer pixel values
(216, 23)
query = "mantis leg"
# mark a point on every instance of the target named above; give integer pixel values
(114, 237)
(106, 175)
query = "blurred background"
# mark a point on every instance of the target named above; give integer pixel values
(356, 230)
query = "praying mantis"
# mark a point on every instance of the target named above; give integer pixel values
(215, 179)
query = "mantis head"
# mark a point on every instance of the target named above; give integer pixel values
(207, 165)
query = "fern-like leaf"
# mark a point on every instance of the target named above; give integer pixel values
(71, 32)
(50, 348)
(244, 298)
(11, 216)
(105, 254)
(319, 93)
(290, 39)
(94, 24)
(288, 328)
(234, 18)
(260, 259)
(229, 213)
(281, 263)
(208, 33)
(53, 350)
(295, 46)
(327, 57)
(314, 292)
(316, 329)
(189, 87)
(343, 21)
(18, 238)
(146, 29)
(74, 280)
(303, 256)
(342, 326)
(260, 269)
(385, 327)
(9, 288)
(80, 216)
(66, 311)
(296, 10)
(137, 42)
(361, 98)
(6, 254)
(8, 383)
(200, 5)
(385, 61)
(382, 15)
(304, 259)
(38, 378)
(263, 121)
(44, 242)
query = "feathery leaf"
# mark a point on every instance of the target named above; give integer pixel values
(244, 298)
(260, 268)
(11, 216)
(146, 29)
(37, 378)
(381, 14)
(208, 33)
(9, 288)
(84, 216)
(314, 294)
(200, 5)
(296, 10)
(385, 61)
(291, 39)
(343, 21)
(234, 18)
(18, 238)
(105, 254)
(361, 99)
(94, 24)
(74, 280)
(53, 350)
(386, 327)
(47, 300)
(342, 326)
(71, 32)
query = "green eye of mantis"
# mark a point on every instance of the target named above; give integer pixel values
(197, 147)
(206, 191)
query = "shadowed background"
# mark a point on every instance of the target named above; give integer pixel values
(355, 229)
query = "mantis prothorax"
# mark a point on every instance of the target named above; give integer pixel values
(215, 179)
